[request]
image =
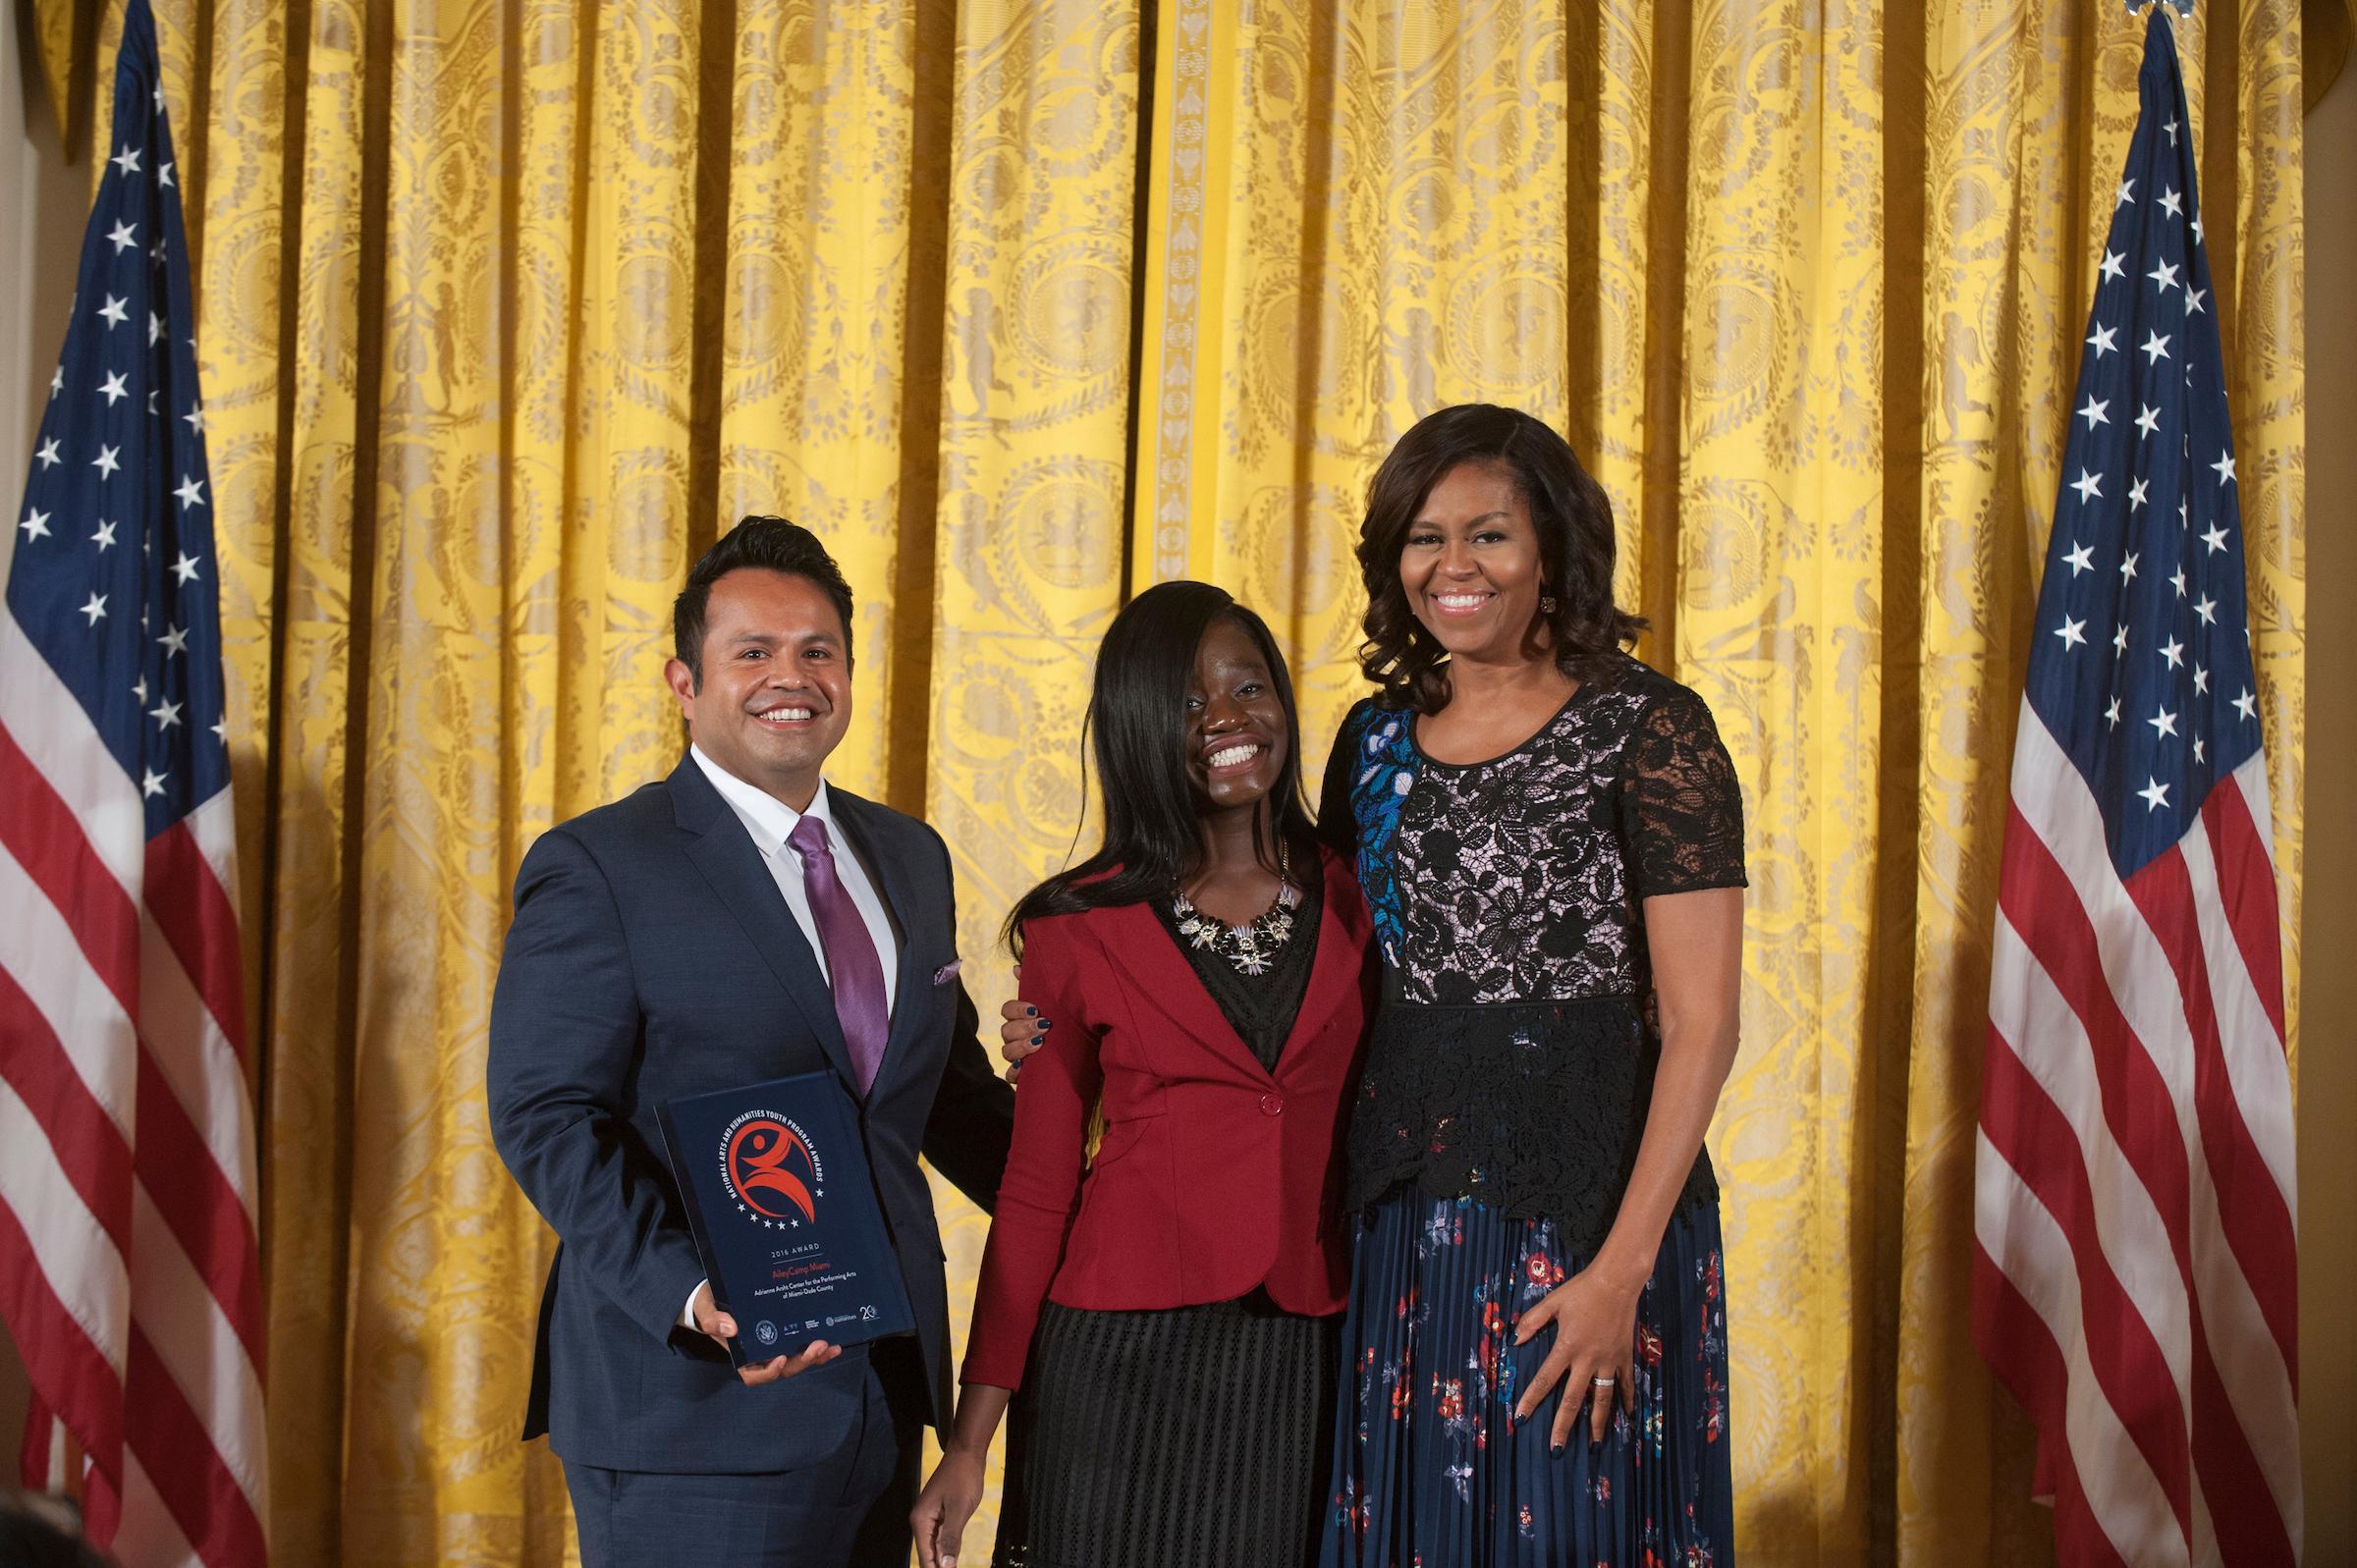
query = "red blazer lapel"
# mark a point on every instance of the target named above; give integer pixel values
(1136, 942)
(1341, 965)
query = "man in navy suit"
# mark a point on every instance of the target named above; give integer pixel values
(736, 922)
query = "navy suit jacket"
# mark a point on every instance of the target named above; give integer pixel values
(652, 956)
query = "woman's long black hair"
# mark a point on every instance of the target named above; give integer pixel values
(1136, 725)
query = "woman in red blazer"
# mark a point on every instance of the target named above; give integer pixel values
(1169, 1307)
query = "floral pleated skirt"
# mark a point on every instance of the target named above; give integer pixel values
(1429, 1467)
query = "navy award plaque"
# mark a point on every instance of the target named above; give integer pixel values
(785, 1216)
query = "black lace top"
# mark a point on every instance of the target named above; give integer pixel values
(1513, 1059)
(1261, 1007)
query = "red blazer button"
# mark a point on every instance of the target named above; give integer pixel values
(1271, 1104)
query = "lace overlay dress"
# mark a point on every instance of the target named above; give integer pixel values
(1504, 1096)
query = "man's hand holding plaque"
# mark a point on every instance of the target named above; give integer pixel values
(779, 1196)
(719, 1327)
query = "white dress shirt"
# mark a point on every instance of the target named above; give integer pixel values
(771, 821)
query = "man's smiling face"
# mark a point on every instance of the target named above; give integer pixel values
(775, 694)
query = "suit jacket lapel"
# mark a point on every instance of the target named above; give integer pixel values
(726, 856)
(896, 885)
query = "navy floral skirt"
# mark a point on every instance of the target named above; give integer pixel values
(1429, 1468)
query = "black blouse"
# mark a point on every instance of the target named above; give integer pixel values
(1261, 1007)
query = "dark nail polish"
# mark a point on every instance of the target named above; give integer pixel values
(1032, 1012)
(1046, 1024)
(1556, 1450)
(1039, 1039)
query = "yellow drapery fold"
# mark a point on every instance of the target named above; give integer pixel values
(509, 306)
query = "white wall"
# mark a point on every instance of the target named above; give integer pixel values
(2327, 1108)
(42, 206)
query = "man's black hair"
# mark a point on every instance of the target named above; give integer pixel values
(772, 544)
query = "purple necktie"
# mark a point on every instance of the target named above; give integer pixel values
(850, 952)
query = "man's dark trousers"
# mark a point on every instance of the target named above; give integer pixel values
(850, 1507)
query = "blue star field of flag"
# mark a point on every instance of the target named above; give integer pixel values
(2141, 666)
(114, 578)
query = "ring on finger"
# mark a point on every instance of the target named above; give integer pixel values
(1604, 1382)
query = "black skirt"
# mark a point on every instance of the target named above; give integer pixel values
(1196, 1437)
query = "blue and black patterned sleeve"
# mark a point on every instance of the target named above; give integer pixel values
(1337, 825)
(1367, 778)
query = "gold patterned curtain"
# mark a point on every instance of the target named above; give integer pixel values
(509, 305)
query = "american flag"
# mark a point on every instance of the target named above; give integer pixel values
(2133, 1277)
(128, 1266)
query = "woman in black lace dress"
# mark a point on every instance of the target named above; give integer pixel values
(1550, 838)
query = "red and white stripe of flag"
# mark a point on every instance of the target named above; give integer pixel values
(128, 1258)
(2134, 1280)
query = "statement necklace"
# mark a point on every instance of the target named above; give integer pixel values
(1250, 948)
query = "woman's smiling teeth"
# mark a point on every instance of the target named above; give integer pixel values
(1233, 756)
(1460, 604)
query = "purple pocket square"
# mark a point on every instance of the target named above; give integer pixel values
(947, 971)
